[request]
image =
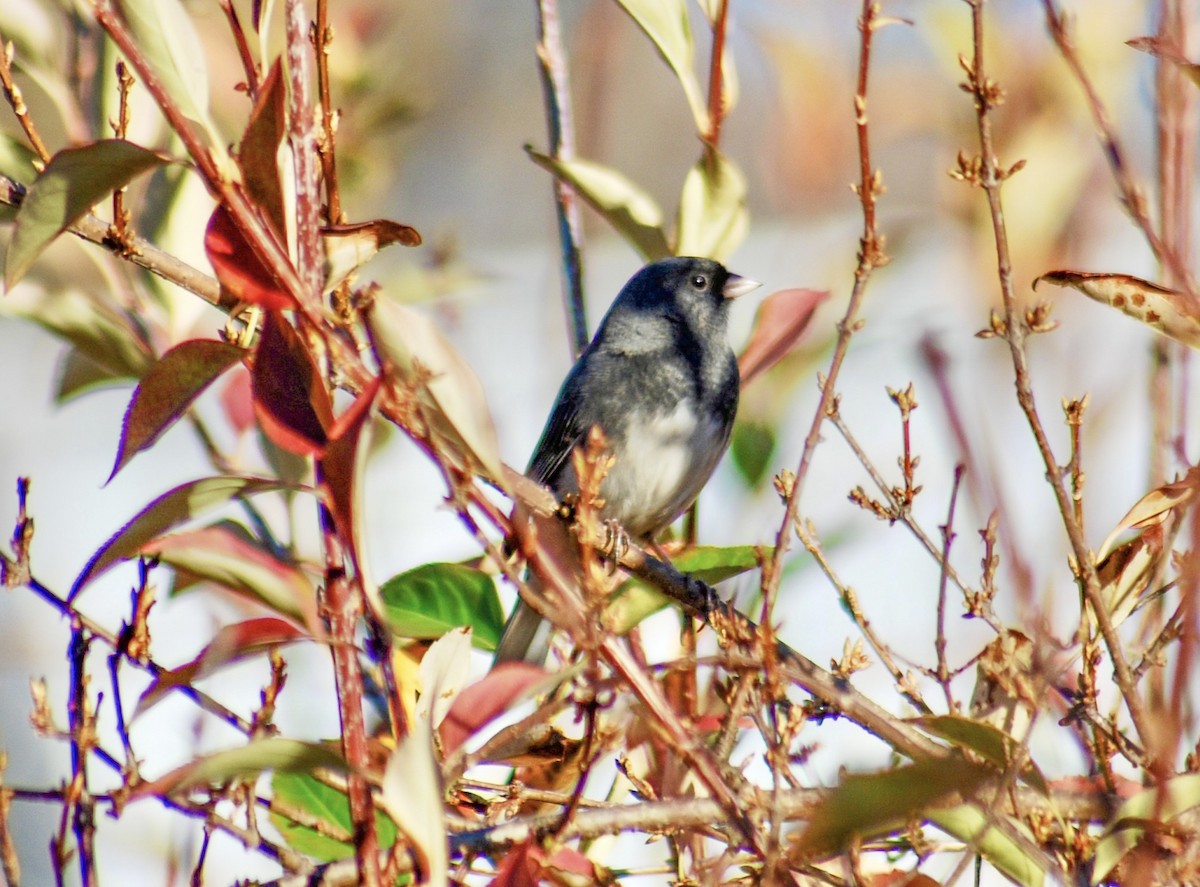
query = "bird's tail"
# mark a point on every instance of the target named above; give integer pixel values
(526, 637)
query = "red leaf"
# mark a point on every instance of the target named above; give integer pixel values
(482, 701)
(168, 389)
(257, 155)
(526, 865)
(239, 267)
(290, 396)
(232, 644)
(219, 555)
(340, 459)
(238, 401)
(781, 319)
(518, 868)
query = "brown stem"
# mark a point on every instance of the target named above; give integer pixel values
(82, 730)
(12, 94)
(322, 37)
(716, 80)
(239, 38)
(302, 134)
(986, 94)
(243, 214)
(341, 607)
(939, 644)
(871, 255)
(556, 92)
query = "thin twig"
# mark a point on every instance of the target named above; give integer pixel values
(327, 146)
(939, 644)
(850, 601)
(987, 95)
(556, 93)
(12, 94)
(82, 725)
(871, 255)
(137, 250)
(249, 68)
(898, 512)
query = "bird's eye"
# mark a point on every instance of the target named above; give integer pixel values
(700, 282)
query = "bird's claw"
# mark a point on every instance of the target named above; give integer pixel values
(616, 544)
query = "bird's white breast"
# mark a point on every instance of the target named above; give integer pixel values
(667, 458)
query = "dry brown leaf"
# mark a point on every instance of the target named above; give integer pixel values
(1170, 312)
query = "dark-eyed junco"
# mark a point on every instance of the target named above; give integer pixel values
(661, 382)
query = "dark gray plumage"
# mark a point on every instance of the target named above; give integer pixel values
(661, 381)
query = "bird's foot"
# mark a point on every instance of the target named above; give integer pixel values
(616, 544)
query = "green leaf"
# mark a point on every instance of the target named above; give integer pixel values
(276, 753)
(970, 825)
(666, 23)
(635, 600)
(428, 601)
(993, 744)
(1159, 804)
(304, 794)
(871, 804)
(74, 180)
(752, 446)
(107, 339)
(16, 160)
(168, 389)
(713, 218)
(78, 374)
(411, 351)
(177, 506)
(625, 206)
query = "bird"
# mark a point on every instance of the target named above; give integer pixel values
(660, 380)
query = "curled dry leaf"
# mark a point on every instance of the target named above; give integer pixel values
(1170, 312)
(349, 247)
(781, 319)
(1125, 570)
(1156, 507)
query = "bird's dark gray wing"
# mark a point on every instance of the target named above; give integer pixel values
(565, 430)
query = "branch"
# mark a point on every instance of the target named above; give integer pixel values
(871, 255)
(135, 249)
(557, 95)
(987, 95)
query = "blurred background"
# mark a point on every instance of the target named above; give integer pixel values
(438, 100)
